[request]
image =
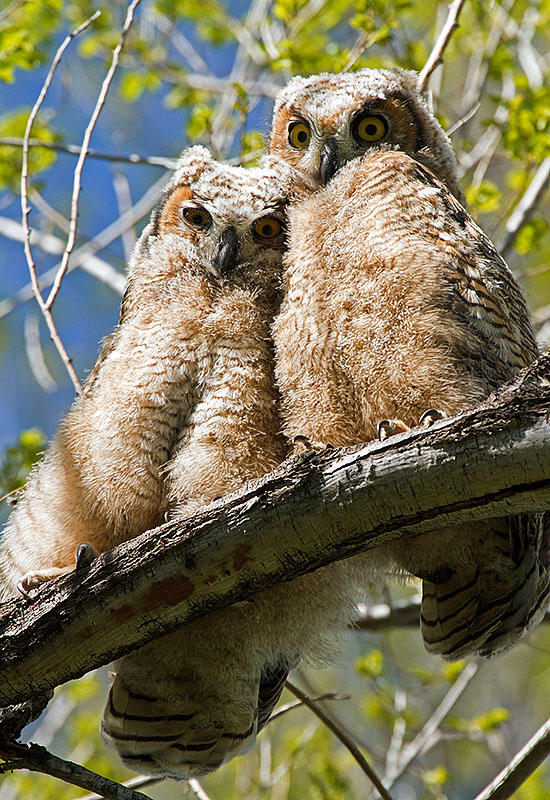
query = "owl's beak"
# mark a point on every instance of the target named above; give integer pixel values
(226, 257)
(329, 160)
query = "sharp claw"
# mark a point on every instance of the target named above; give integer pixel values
(24, 591)
(390, 427)
(430, 416)
(301, 439)
(85, 554)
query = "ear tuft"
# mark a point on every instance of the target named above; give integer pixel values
(191, 164)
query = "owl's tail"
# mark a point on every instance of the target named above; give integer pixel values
(485, 608)
(187, 721)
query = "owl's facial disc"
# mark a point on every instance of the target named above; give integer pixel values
(225, 259)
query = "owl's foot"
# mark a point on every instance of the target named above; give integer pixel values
(85, 554)
(302, 444)
(390, 427)
(430, 416)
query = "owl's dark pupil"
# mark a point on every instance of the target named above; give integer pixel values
(370, 130)
(267, 230)
(302, 136)
(197, 218)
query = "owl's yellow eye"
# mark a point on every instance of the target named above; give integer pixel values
(299, 135)
(196, 216)
(267, 227)
(369, 128)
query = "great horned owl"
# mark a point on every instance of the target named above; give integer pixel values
(396, 303)
(182, 408)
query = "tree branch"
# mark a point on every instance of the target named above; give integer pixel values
(524, 763)
(342, 736)
(436, 56)
(38, 759)
(76, 150)
(310, 511)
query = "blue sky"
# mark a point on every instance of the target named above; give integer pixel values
(86, 310)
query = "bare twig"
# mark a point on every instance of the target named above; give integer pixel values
(124, 203)
(298, 704)
(400, 614)
(38, 759)
(342, 736)
(133, 783)
(84, 149)
(25, 208)
(422, 739)
(524, 763)
(35, 356)
(436, 56)
(527, 205)
(76, 150)
(49, 243)
(197, 789)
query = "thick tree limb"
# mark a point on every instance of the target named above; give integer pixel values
(38, 759)
(492, 461)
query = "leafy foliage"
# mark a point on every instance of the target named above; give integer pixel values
(495, 65)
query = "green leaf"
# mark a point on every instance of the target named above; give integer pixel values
(371, 665)
(530, 235)
(11, 158)
(436, 776)
(484, 198)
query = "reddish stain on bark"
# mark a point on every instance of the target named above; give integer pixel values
(210, 579)
(122, 613)
(168, 592)
(241, 556)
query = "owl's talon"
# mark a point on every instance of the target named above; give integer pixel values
(303, 444)
(390, 427)
(430, 416)
(22, 587)
(85, 554)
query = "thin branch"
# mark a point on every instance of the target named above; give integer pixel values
(197, 789)
(133, 783)
(84, 149)
(527, 205)
(49, 243)
(422, 739)
(436, 56)
(35, 356)
(299, 704)
(76, 150)
(401, 614)
(342, 736)
(25, 208)
(524, 763)
(38, 759)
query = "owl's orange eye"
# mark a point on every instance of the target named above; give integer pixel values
(369, 127)
(196, 216)
(299, 135)
(267, 227)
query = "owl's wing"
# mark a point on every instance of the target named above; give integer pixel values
(181, 717)
(486, 604)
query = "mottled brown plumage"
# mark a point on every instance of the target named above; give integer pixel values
(182, 408)
(395, 303)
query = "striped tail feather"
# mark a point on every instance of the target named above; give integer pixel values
(188, 723)
(484, 609)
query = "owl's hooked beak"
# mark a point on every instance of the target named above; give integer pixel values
(329, 160)
(226, 257)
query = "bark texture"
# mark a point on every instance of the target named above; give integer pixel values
(491, 461)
